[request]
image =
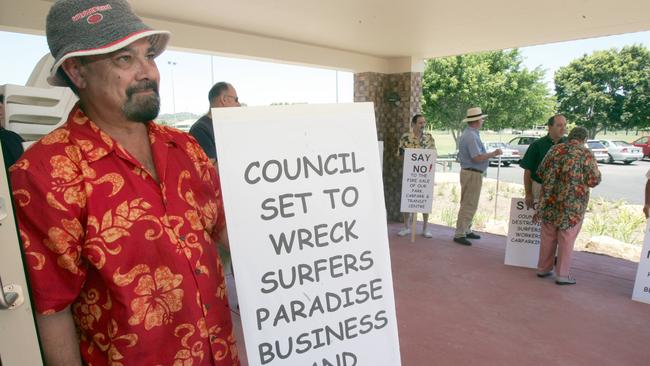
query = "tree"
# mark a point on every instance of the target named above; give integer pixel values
(607, 89)
(512, 95)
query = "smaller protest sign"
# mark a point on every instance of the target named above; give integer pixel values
(522, 245)
(417, 180)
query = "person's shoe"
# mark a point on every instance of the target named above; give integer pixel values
(472, 236)
(427, 234)
(565, 281)
(404, 232)
(544, 274)
(462, 241)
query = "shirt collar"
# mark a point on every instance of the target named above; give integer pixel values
(96, 144)
(472, 129)
(560, 140)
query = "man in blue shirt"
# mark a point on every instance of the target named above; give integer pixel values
(473, 163)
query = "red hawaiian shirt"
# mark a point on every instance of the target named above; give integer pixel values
(135, 259)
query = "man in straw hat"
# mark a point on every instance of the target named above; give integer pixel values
(119, 216)
(473, 163)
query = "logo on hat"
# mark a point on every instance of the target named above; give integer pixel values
(95, 18)
(89, 13)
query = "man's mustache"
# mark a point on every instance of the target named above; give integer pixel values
(142, 86)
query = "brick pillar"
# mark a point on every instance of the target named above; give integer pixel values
(393, 119)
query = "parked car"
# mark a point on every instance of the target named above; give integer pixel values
(644, 143)
(521, 144)
(508, 157)
(622, 151)
(598, 149)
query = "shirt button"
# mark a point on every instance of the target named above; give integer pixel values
(207, 306)
(213, 338)
(182, 237)
(198, 271)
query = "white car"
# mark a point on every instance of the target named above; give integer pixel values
(521, 144)
(622, 151)
(508, 157)
(598, 149)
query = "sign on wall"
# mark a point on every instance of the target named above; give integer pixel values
(417, 180)
(642, 284)
(306, 220)
(522, 245)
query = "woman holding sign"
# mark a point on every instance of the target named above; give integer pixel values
(416, 139)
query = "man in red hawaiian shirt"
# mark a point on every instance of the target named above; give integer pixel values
(568, 171)
(119, 216)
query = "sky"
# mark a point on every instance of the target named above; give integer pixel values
(552, 56)
(187, 77)
(257, 82)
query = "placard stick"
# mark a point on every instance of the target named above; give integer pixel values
(496, 195)
(415, 219)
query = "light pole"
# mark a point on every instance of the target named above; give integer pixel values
(171, 67)
(337, 86)
(211, 70)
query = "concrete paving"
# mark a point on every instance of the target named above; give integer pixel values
(461, 305)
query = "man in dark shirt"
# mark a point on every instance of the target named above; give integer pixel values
(536, 153)
(12, 143)
(220, 95)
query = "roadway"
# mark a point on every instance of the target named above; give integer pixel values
(619, 181)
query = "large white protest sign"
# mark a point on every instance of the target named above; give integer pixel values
(381, 154)
(306, 219)
(642, 284)
(417, 180)
(522, 245)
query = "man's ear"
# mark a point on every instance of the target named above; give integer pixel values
(74, 69)
(223, 99)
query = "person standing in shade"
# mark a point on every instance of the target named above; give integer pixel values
(120, 217)
(416, 139)
(568, 171)
(221, 95)
(474, 161)
(536, 153)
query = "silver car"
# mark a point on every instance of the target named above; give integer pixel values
(598, 149)
(508, 157)
(622, 151)
(521, 144)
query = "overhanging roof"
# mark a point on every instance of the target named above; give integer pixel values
(365, 35)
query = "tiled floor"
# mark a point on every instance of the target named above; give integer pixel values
(460, 305)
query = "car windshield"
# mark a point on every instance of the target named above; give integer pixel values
(595, 145)
(621, 143)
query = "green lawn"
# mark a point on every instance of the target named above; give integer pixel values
(445, 142)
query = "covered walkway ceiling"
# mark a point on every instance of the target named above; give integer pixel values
(364, 35)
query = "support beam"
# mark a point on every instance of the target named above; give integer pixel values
(28, 16)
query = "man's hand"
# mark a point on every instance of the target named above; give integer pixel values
(59, 338)
(530, 202)
(223, 239)
(646, 210)
(497, 152)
